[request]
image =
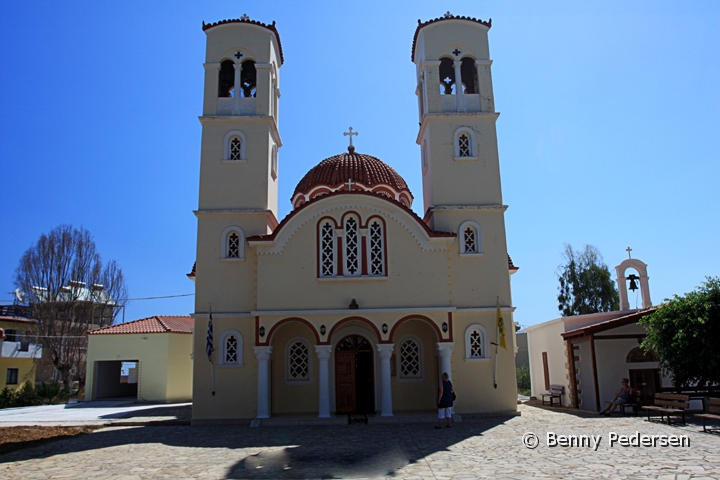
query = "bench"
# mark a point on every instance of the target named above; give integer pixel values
(713, 412)
(668, 404)
(633, 403)
(555, 391)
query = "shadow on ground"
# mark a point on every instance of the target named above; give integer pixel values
(288, 452)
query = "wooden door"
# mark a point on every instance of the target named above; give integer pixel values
(646, 381)
(345, 395)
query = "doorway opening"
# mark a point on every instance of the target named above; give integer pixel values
(354, 378)
(647, 382)
(116, 379)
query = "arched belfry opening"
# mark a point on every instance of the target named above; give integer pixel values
(226, 78)
(633, 282)
(447, 76)
(468, 74)
(248, 79)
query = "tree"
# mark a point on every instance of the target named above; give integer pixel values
(585, 283)
(69, 290)
(683, 333)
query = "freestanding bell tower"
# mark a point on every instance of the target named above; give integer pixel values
(239, 158)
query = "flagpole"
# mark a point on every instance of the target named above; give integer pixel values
(497, 342)
(210, 349)
(212, 375)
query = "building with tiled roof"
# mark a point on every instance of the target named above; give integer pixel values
(148, 359)
(352, 303)
(20, 349)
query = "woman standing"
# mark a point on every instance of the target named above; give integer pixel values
(445, 401)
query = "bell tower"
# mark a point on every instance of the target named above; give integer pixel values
(240, 137)
(238, 160)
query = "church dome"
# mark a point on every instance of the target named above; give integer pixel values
(352, 171)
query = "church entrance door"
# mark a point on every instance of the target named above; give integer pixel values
(354, 379)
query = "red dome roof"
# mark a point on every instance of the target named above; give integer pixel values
(365, 170)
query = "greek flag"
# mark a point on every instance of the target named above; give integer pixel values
(209, 348)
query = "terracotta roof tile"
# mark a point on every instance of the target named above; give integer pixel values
(271, 27)
(365, 169)
(422, 24)
(155, 324)
(511, 265)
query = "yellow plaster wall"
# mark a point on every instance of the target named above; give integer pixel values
(26, 371)
(236, 387)
(288, 398)
(153, 352)
(180, 368)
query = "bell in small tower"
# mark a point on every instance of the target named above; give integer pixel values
(633, 281)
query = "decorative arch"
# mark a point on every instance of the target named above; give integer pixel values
(477, 343)
(638, 355)
(361, 319)
(447, 76)
(231, 348)
(641, 268)
(427, 320)
(232, 246)
(470, 237)
(465, 144)
(230, 146)
(282, 322)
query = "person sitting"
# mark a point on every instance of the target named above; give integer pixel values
(623, 396)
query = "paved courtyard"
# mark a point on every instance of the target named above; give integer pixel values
(477, 448)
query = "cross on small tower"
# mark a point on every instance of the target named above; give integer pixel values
(245, 17)
(238, 55)
(456, 52)
(629, 250)
(350, 183)
(448, 14)
(350, 134)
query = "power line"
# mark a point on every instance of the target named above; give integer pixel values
(155, 298)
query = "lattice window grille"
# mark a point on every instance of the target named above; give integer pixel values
(470, 241)
(235, 149)
(476, 344)
(352, 260)
(233, 245)
(410, 359)
(231, 349)
(464, 145)
(377, 265)
(327, 250)
(299, 364)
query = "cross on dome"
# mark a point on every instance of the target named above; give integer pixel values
(448, 14)
(350, 183)
(350, 134)
(245, 17)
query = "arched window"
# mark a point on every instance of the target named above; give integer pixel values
(465, 146)
(352, 247)
(469, 235)
(231, 349)
(410, 365)
(234, 146)
(476, 343)
(376, 248)
(638, 355)
(468, 72)
(233, 243)
(447, 76)
(226, 78)
(248, 79)
(298, 362)
(274, 162)
(327, 249)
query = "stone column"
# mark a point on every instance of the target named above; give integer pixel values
(445, 350)
(323, 353)
(458, 87)
(487, 103)
(263, 385)
(237, 88)
(645, 291)
(622, 290)
(385, 351)
(210, 101)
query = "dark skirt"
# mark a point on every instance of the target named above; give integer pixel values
(446, 401)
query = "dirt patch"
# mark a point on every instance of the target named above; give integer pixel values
(16, 438)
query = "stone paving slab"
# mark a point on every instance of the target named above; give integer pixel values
(482, 447)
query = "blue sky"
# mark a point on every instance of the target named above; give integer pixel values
(609, 130)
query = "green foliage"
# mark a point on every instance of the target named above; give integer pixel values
(684, 333)
(50, 393)
(7, 397)
(26, 397)
(523, 380)
(585, 283)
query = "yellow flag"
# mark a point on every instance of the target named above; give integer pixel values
(501, 328)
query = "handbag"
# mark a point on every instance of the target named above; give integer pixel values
(454, 396)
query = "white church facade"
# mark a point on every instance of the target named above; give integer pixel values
(352, 303)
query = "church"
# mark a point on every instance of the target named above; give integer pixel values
(352, 303)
